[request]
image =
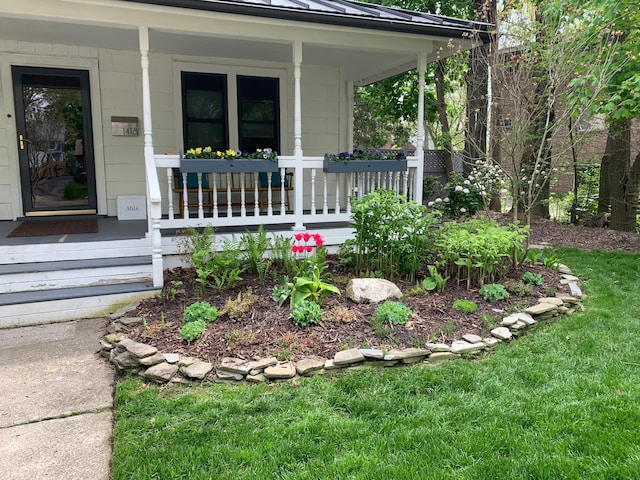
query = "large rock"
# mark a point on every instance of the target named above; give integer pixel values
(372, 290)
(197, 370)
(348, 357)
(162, 372)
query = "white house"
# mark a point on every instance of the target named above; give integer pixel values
(98, 97)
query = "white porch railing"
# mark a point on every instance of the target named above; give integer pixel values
(315, 198)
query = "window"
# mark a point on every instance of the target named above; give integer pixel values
(207, 111)
(258, 113)
(204, 107)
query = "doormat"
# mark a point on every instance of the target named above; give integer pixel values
(42, 228)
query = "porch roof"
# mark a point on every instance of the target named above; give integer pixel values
(347, 13)
(368, 42)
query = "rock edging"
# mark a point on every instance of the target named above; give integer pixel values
(128, 355)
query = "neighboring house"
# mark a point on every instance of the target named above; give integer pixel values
(135, 80)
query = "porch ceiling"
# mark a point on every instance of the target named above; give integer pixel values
(362, 64)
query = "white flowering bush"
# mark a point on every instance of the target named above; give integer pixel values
(465, 196)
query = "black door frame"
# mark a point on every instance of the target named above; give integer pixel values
(57, 78)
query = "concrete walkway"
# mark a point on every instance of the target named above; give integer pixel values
(56, 402)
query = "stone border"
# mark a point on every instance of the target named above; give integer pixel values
(147, 361)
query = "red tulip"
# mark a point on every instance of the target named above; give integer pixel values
(298, 236)
(309, 248)
(306, 236)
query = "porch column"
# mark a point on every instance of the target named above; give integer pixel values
(422, 66)
(297, 137)
(154, 198)
(350, 109)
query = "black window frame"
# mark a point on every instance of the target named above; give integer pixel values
(204, 81)
(245, 87)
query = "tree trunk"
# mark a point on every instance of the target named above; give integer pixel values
(444, 120)
(477, 80)
(604, 191)
(623, 180)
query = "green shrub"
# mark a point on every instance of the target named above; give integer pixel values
(254, 248)
(435, 281)
(394, 313)
(517, 287)
(200, 311)
(532, 278)
(493, 292)
(392, 235)
(306, 313)
(479, 251)
(191, 331)
(465, 306)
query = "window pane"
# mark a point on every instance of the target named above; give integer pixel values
(258, 130)
(204, 104)
(205, 135)
(204, 107)
(258, 113)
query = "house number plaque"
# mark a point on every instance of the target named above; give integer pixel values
(124, 126)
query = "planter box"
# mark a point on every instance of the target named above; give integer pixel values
(359, 166)
(221, 166)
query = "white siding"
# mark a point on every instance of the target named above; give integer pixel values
(119, 160)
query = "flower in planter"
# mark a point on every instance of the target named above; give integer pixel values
(365, 155)
(209, 153)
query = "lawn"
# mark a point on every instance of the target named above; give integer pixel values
(561, 402)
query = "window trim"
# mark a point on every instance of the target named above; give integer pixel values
(232, 72)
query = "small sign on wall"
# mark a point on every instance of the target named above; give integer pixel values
(132, 207)
(124, 126)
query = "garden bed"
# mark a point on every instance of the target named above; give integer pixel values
(265, 329)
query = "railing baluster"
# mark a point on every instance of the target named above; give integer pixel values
(170, 211)
(313, 191)
(269, 194)
(185, 197)
(200, 199)
(215, 195)
(229, 208)
(256, 195)
(325, 195)
(283, 203)
(243, 207)
(338, 177)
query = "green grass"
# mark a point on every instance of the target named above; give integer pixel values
(561, 402)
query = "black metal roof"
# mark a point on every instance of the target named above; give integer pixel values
(348, 13)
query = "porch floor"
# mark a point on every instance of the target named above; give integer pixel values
(109, 228)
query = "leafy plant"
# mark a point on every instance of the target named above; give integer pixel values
(193, 330)
(200, 311)
(435, 281)
(479, 251)
(394, 313)
(312, 288)
(306, 313)
(235, 308)
(341, 314)
(236, 337)
(283, 257)
(465, 306)
(254, 248)
(282, 292)
(392, 235)
(381, 328)
(517, 287)
(531, 278)
(493, 292)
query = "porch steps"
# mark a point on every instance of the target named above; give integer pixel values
(85, 280)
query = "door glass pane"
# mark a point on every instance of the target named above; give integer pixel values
(54, 146)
